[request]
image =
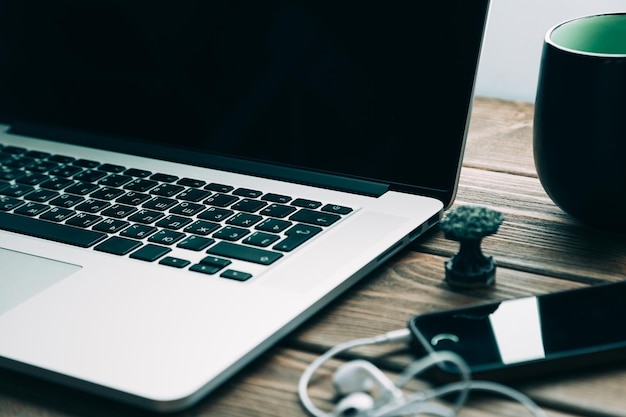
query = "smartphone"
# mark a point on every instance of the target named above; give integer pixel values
(525, 337)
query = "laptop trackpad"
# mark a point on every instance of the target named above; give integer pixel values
(23, 275)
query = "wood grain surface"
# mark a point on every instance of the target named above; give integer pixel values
(538, 249)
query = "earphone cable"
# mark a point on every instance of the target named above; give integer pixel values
(413, 403)
(400, 336)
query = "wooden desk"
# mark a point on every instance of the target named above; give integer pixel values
(538, 249)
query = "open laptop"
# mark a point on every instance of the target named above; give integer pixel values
(184, 183)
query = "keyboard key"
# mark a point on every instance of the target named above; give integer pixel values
(333, 208)
(196, 243)
(141, 185)
(86, 163)
(215, 214)
(118, 211)
(215, 261)
(301, 202)
(66, 200)
(56, 183)
(62, 159)
(248, 205)
(150, 253)
(110, 225)
(41, 195)
(221, 200)
(220, 188)
(81, 188)
(166, 237)
(107, 193)
(173, 222)
(277, 210)
(111, 168)
(246, 192)
(10, 174)
(115, 180)
(145, 216)
(138, 231)
(276, 198)
(92, 206)
(41, 166)
(244, 253)
(32, 209)
(18, 162)
(57, 214)
(236, 275)
(166, 190)
(37, 154)
(193, 194)
(89, 175)
(273, 225)
(244, 219)
(52, 231)
(140, 173)
(132, 198)
(160, 203)
(187, 209)
(314, 217)
(261, 239)
(230, 233)
(163, 177)
(296, 236)
(65, 171)
(9, 203)
(174, 262)
(31, 178)
(201, 227)
(16, 190)
(117, 245)
(84, 220)
(205, 269)
(191, 182)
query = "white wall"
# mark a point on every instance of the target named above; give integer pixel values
(512, 48)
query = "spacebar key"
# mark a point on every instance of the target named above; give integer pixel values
(244, 253)
(51, 231)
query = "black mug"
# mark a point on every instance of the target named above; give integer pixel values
(579, 133)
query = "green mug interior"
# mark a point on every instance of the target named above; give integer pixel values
(601, 34)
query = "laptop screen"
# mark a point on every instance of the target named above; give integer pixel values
(372, 90)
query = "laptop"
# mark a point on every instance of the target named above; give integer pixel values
(184, 183)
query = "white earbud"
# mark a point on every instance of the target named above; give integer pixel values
(357, 404)
(362, 376)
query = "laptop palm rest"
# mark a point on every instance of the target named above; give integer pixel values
(25, 275)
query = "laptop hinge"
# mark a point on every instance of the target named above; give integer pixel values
(206, 160)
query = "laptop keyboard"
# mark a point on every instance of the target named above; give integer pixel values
(137, 213)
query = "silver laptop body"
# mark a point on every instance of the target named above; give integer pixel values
(341, 126)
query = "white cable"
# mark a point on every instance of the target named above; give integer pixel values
(419, 398)
(417, 402)
(401, 335)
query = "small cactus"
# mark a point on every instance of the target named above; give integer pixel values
(468, 225)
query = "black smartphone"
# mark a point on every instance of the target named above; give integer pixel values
(529, 336)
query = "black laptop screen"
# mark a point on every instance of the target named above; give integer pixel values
(370, 89)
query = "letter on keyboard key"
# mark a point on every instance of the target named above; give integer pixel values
(244, 253)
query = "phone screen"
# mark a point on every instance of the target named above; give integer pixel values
(576, 324)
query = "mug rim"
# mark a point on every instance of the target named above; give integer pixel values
(548, 40)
